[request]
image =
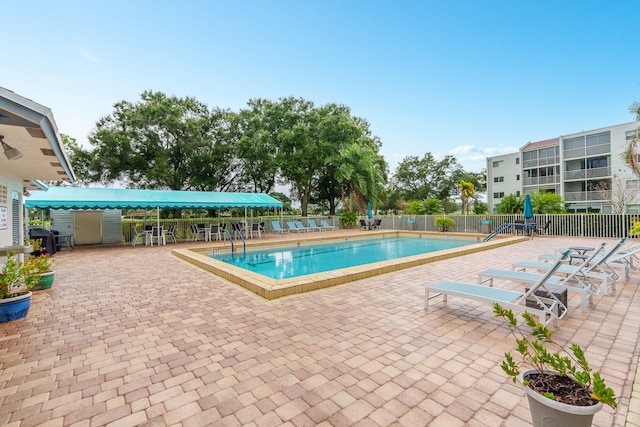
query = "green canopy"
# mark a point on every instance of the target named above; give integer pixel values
(119, 198)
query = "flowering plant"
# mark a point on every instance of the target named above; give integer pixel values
(42, 262)
(16, 278)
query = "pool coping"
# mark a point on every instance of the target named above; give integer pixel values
(270, 289)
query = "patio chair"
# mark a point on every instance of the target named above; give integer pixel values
(157, 233)
(313, 226)
(137, 235)
(255, 229)
(171, 233)
(293, 227)
(215, 232)
(576, 281)
(598, 269)
(196, 231)
(548, 308)
(376, 224)
(364, 225)
(277, 229)
(328, 226)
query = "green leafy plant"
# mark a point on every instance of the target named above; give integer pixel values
(348, 219)
(552, 369)
(16, 278)
(444, 223)
(635, 229)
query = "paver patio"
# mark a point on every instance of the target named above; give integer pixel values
(133, 336)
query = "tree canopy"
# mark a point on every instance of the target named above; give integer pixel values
(166, 142)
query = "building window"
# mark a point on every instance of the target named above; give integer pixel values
(518, 193)
(517, 160)
(630, 134)
(498, 163)
(518, 177)
(498, 179)
(632, 184)
(499, 195)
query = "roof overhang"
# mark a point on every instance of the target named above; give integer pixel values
(30, 128)
(120, 198)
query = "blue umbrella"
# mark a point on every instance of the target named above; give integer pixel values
(528, 207)
(369, 214)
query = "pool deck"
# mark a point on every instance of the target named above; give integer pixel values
(135, 336)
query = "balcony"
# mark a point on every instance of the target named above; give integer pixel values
(587, 173)
(582, 196)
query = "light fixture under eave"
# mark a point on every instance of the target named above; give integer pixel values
(10, 152)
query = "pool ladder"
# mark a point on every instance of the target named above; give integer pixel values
(233, 247)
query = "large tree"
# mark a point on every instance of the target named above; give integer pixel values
(422, 178)
(257, 146)
(163, 142)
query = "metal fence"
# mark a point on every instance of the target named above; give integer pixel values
(579, 225)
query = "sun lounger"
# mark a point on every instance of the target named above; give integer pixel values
(548, 308)
(293, 227)
(301, 226)
(277, 229)
(575, 281)
(327, 226)
(587, 270)
(314, 227)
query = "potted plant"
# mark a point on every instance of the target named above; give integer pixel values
(41, 264)
(561, 387)
(16, 281)
(348, 219)
(444, 223)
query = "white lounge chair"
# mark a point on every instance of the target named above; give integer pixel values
(549, 307)
(328, 226)
(576, 281)
(596, 270)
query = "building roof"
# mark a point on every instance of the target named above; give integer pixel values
(119, 198)
(30, 128)
(541, 144)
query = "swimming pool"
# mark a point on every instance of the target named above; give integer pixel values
(295, 261)
(270, 288)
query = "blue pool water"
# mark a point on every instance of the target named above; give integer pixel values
(294, 261)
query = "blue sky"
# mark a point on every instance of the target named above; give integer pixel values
(467, 78)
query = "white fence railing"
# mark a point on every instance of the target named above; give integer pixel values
(583, 225)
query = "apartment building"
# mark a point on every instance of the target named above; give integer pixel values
(586, 168)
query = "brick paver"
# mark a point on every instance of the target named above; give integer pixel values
(134, 336)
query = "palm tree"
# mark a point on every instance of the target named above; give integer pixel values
(467, 192)
(510, 204)
(630, 155)
(358, 169)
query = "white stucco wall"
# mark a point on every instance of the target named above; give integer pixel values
(13, 185)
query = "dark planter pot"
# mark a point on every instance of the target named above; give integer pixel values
(46, 281)
(546, 412)
(14, 308)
